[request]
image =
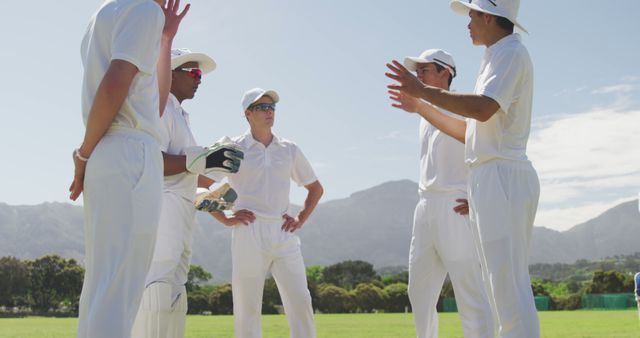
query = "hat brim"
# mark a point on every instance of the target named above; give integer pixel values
(463, 8)
(270, 93)
(411, 62)
(205, 62)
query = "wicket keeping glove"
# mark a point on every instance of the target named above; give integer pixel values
(223, 156)
(218, 200)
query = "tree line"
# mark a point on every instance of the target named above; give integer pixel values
(51, 285)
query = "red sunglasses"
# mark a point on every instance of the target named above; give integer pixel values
(195, 73)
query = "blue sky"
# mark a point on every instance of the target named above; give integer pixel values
(327, 61)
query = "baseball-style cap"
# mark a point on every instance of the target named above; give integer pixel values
(437, 56)
(181, 56)
(504, 8)
(253, 95)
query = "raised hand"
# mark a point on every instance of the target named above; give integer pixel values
(407, 82)
(403, 101)
(172, 19)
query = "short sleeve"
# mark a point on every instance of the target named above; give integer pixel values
(165, 131)
(136, 36)
(502, 76)
(302, 172)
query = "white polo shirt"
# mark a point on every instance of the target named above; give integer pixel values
(174, 136)
(263, 182)
(128, 30)
(442, 167)
(506, 75)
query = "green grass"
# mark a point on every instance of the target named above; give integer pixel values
(565, 324)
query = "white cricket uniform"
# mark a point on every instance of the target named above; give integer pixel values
(504, 187)
(123, 179)
(163, 309)
(263, 184)
(442, 241)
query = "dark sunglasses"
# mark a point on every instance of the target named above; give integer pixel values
(264, 106)
(195, 73)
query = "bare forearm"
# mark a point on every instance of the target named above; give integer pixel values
(174, 164)
(474, 106)
(107, 102)
(451, 126)
(205, 182)
(315, 191)
(164, 71)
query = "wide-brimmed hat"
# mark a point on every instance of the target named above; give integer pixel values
(181, 56)
(504, 8)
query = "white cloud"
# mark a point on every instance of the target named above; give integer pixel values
(624, 88)
(393, 135)
(587, 163)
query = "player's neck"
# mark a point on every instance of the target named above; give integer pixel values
(262, 135)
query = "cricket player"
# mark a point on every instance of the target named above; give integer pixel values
(503, 186)
(125, 55)
(263, 238)
(163, 309)
(442, 241)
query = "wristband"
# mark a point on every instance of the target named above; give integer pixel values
(80, 157)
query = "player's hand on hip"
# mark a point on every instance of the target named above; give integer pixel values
(463, 207)
(242, 216)
(77, 185)
(406, 81)
(291, 224)
(172, 19)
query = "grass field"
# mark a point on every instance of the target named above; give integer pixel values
(567, 324)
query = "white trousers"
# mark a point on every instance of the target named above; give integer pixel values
(256, 249)
(442, 242)
(160, 314)
(163, 309)
(122, 190)
(503, 199)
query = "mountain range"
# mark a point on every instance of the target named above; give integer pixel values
(372, 225)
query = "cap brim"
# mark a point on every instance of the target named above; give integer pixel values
(411, 62)
(205, 62)
(272, 94)
(463, 8)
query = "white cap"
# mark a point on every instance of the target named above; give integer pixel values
(504, 8)
(253, 95)
(437, 56)
(181, 56)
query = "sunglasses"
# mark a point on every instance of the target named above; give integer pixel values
(264, 107)
(195, 73)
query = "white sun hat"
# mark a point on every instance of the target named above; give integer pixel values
(253, 95)
(504, 8)
(181, 56)
(437, 56)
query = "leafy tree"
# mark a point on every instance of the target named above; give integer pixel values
(53, 280)
(270, 297)
(334, 299)
(369, 297)
(314, 273)
(402, 277)
(14, 281)
(397, 297)
(348, 274)
(538, 288)
(197, 275)
(609, 282)
(221, 300)
(198, 302)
